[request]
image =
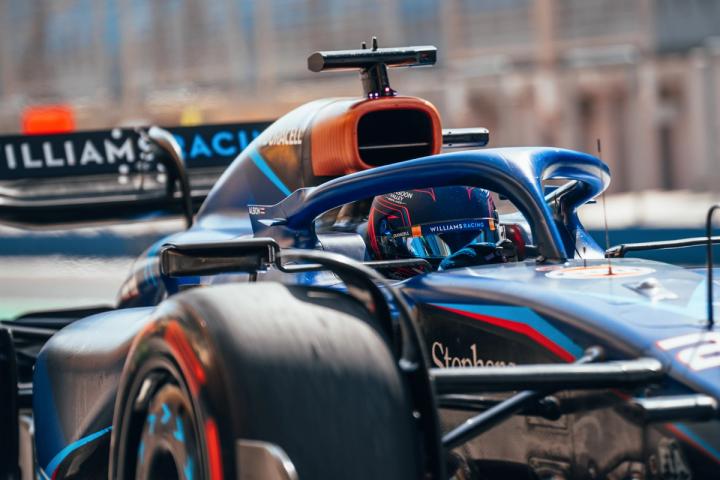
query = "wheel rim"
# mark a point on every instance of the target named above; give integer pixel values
(159, 432)
(163, 466)
(168, 446)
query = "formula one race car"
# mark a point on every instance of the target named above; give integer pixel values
(271, 340)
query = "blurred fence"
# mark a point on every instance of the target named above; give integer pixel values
(644, 75)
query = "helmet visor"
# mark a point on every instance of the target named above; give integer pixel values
(445, 238)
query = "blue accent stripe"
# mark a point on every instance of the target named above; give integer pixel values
(521, 315)
(57, 459)
(260, 162)
(188, 469)
(166, 414)
(149, 262)
(151, 420)
(702, 443)
(179, 433)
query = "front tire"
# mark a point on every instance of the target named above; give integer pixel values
(304, 369)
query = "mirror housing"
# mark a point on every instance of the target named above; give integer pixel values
(197, 259)
(465, 137)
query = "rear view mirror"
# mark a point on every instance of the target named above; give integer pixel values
(465, 137)
(245, 256)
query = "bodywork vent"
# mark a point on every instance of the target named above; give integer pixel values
(389, 136)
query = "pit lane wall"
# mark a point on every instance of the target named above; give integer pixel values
(103, 240)
(653, 215)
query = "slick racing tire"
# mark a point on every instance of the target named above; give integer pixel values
(307, 372)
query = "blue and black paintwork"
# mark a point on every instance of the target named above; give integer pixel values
(526, 312)
(497, 315)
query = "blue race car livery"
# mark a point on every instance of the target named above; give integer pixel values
(268, 341)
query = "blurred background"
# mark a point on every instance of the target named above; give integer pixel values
(642, 75)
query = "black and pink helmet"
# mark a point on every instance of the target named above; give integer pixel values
(430, 223)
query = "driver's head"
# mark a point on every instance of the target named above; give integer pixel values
(430, 223)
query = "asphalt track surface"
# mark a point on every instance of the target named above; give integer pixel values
(56, 281)
(71, 266)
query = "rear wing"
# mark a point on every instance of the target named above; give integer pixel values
(44, 175)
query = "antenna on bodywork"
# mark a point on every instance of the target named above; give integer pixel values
(708, 234)
(607, 233)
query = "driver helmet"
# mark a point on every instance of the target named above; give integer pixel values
(431, 223)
